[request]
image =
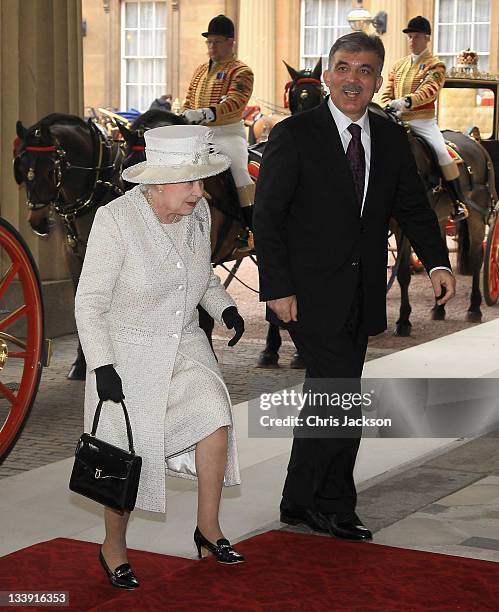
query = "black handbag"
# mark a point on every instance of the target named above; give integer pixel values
(105, 473)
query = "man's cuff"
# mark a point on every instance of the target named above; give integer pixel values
(439, 268)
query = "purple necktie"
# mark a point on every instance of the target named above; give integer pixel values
(357, 160)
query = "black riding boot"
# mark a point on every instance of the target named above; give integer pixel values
(246, 244)
(247, 212)
(459, 201)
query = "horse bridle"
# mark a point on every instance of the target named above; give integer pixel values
(300, 81)
(62, 164)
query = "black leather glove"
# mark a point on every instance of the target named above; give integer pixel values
(109, 386)
(233, 320)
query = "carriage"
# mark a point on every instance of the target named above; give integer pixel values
(23, 349)
(470, 104)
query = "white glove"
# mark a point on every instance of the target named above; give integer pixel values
(199, 116)
(399, 105)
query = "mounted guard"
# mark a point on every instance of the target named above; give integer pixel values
(217, 96)
(412, 88)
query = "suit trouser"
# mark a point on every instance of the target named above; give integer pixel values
(320, 469)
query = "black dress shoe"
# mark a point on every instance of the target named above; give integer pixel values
(222, 550)
(347, 527)
(297, 515)
(122, 577)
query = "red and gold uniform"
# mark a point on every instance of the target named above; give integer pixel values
(225, 87)
(420, 81)
(413, 87)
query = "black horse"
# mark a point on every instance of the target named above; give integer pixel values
(476, 177)
(71, 166)
(302, 93)
(220, 192)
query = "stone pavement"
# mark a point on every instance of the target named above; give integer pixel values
(442, 500)
(56, 420)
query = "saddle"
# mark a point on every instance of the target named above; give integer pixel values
(475, 169)
(255, 154)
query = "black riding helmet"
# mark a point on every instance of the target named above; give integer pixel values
(220, 26)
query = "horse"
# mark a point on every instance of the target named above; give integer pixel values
(70, 166)
(220, 192)
(476, 175)
(303, 92)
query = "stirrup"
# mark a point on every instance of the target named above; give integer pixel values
(245, 242)
(459, 212)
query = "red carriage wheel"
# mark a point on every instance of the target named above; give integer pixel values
(21, 334)
(491, 266)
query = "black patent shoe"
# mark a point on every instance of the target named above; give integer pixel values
(348, 528)
(123, 576)
(298, 515)
(222, 550)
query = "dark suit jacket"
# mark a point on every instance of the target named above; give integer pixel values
(307, 223)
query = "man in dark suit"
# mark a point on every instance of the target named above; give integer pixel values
(330, 180)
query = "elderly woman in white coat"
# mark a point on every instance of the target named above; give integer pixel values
(146, 269)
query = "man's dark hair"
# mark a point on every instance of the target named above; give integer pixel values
(356, 42)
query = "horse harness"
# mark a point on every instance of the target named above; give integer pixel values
(102, 179)
(305, 80)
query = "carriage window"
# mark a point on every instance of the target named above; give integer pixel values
(464, 107)
(461, 25)
(322, 22)
(143, 53)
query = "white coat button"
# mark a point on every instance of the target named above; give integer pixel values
(174, 335)
(179, 264)
(180, 287)
(178, 313)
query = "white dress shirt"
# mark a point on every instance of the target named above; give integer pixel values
(342, 122)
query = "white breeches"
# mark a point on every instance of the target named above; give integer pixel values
(231, 140)
(428, 129)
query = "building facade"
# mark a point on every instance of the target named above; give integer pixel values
(71, 55)
(136, 50)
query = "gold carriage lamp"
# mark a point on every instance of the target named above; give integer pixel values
(360, 19)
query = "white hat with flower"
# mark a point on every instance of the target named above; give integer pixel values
(177, 154)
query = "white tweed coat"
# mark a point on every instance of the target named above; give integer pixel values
(135, 304)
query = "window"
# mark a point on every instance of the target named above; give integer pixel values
(143, 53)
(463, 24)
(460, 108)
(322, 22)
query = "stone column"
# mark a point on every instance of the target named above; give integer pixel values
(174, 60)
(256, 47)
(41, 73)
(394, 40)
(287, 46)
(113, 60)
(494, 39)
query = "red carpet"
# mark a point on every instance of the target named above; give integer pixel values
(285, 571)
(72, 565)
